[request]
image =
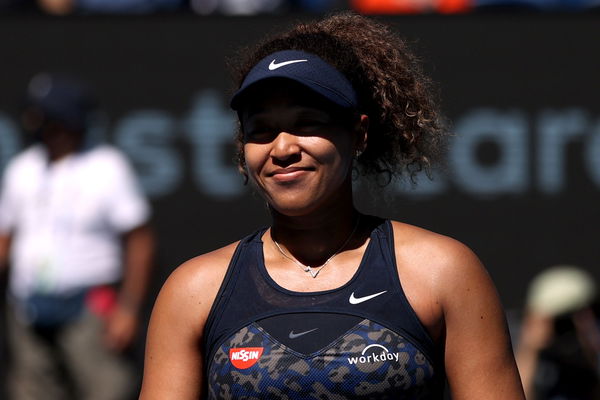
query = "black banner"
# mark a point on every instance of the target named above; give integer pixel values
(521, 185)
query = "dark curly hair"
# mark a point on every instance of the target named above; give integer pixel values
(406, 131)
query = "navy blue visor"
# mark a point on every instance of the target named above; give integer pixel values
(304, 68)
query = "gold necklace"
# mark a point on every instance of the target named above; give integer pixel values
(314, 271)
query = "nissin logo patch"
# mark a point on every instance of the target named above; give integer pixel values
(245, 357)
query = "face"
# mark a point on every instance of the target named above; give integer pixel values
(299, 149)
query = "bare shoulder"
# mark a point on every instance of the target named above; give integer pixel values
(441, 255)
(209, 268)
(456, 300)
(192, 287)
(173, 360)
(444, 267)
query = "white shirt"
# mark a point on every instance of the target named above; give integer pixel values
(67, 217)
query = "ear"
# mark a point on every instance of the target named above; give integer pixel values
(362, 131)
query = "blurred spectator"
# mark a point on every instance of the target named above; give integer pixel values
(463, 6)
(559, 346)
(537, 5)
(73, 229)
(236, 7)
(64, 7)
(411, 6)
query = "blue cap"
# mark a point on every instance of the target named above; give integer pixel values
(304, 68)
(61, 98)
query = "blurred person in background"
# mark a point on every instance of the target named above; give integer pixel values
(559, 348)
(74, 233)
(67, 7)
(411, 6)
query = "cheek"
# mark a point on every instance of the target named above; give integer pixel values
(254, 158)
(338, 154)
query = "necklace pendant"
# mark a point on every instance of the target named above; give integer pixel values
(308, 268)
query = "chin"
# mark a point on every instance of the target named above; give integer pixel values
(292, 210)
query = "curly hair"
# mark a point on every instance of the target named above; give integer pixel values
(406, 131)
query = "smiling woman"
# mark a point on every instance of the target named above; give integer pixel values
(328, 302)
(297, 148)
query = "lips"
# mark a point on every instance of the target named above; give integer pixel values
(288, 174)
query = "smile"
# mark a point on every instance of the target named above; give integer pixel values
(288, 174)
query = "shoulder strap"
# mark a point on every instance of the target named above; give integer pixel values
(409, 318)
(223, 294)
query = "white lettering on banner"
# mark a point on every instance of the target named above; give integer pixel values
(9, 140)
(556, 130)
(146, 136)
(532, 151)
(592, 153)
(509, 131)
(211, 130)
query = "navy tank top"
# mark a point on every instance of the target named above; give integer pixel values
(359, 341)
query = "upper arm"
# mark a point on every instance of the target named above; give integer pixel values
(5, 240)
(173, 361)
(140, 241)
(478, 355)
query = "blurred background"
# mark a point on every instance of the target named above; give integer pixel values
(518, 79)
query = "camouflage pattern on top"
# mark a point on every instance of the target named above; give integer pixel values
(368, 362)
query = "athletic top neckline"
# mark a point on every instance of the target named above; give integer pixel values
(263, 269)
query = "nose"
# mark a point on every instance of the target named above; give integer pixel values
(285, 146)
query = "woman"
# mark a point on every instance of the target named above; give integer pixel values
(328, 303)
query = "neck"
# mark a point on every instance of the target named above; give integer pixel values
(312, 239)
(57, 155)
(60, 144)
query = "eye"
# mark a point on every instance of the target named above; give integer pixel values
(258, 134)
(310, 124)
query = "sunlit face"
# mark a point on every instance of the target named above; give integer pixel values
(298, 149)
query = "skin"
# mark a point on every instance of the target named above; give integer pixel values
(5, 241)
(123, 322)
(59, 141)
(299, 157)
(57, 7)
(536, 333)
